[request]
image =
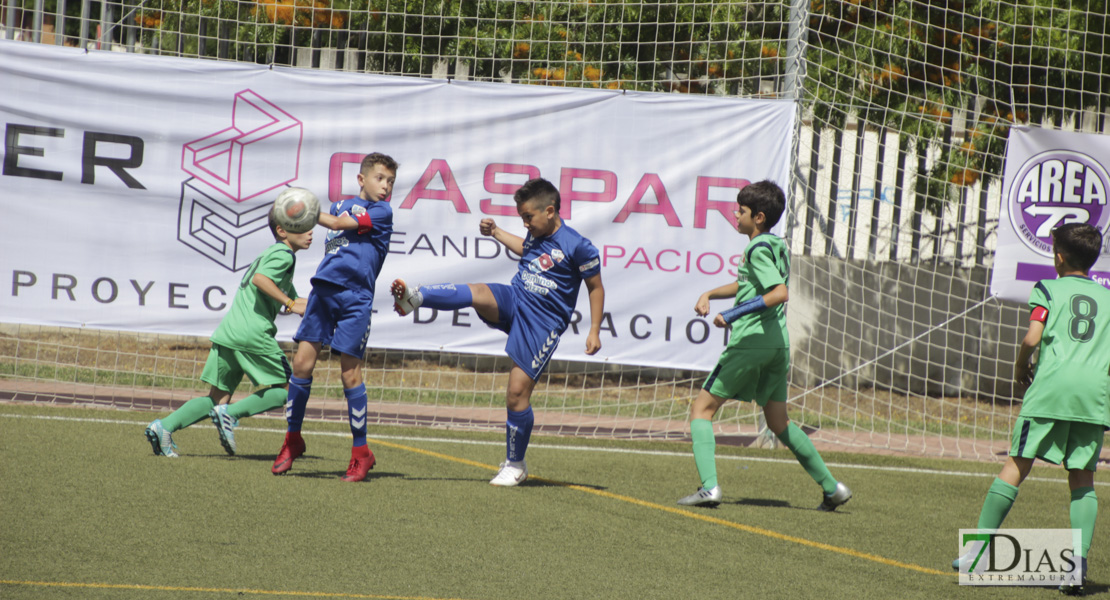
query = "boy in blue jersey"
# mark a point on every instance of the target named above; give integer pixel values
(755, 365)
(338, 310)
(1066, 410)
(534, 309)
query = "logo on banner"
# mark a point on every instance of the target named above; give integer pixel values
(225, 201)
(1054, 188)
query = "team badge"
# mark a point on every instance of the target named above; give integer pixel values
(541, 264)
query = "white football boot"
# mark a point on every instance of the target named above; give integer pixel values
(703, 497)
(835, 499)
(405, 299)
(511, 473)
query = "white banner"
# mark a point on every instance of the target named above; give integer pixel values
(1051, 178)
(135, 191)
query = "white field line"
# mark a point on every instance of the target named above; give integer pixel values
(682, 455)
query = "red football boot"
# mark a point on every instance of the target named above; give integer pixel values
(362, 460)
(292, 449)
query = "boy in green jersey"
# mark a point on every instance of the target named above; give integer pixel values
(244, 344)
(1066, 409)
(755, 364)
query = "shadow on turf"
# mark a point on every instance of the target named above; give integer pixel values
(383, 475)
(1089, 589)
(764, 502)
(269, 458)
(337, 474)
(770, 503)
(1096, 588)
(256, 457)
(541, 482)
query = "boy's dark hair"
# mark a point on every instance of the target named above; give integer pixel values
(272, 222)
(763, 197)
(1080, 244)
(377, 158)
(540, 190)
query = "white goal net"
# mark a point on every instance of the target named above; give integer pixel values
(897, 344)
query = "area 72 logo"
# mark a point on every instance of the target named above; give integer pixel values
(1054, 188)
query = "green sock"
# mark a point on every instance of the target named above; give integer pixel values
(189, 413)
(705, 451)
(1000, 497)
(258, 402)
(1084, 509)
(799, 443)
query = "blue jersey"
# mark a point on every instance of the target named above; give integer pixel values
(551, 272)
(352, 259)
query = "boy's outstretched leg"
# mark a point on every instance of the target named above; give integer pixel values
(792, 436)
(443, 296)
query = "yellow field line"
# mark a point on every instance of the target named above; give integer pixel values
(610, 495)
(238, 591)
(686, 513)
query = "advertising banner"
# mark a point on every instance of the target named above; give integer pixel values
(1051, 178)
(135, 191)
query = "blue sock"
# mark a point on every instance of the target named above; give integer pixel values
(518, 429)
(295, 404)
(446, 296)
(356, 413)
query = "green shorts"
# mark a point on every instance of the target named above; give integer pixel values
(1074, 444)
(225, 368)
(750, 374)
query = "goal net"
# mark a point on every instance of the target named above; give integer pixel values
(897, 344)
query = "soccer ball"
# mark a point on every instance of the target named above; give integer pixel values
(297, 210)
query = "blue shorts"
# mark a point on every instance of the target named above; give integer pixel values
(338, 317)
(533, 336)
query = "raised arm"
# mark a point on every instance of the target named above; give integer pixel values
(512, 242)
(597, 311)
(342, 223)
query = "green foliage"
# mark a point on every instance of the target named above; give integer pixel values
(908, 66)
(692, 46)
(912, 66)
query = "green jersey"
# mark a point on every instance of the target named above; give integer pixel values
(249, 325)
(1073, 370)
(766, 265)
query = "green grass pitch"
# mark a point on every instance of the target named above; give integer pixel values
(89, 512)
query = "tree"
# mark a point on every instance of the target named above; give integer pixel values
(911, 66)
